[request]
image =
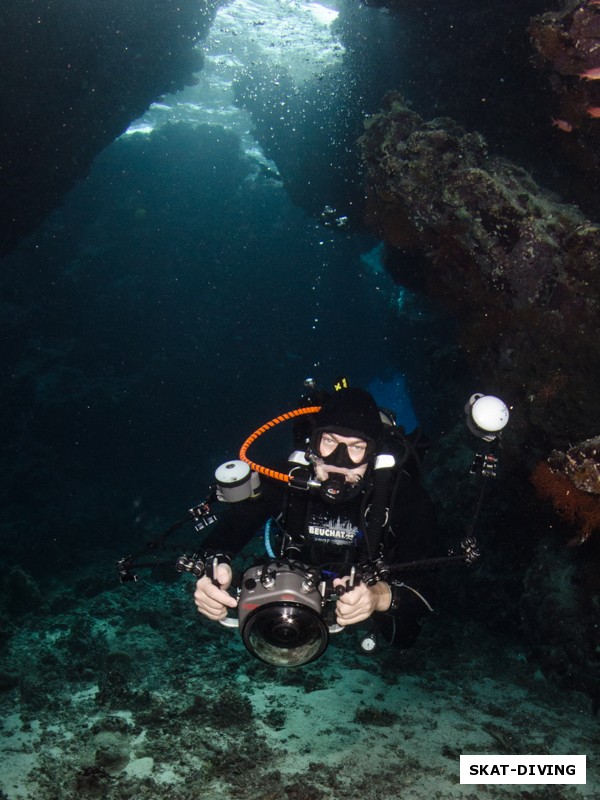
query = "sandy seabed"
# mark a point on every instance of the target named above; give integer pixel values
(126, 692)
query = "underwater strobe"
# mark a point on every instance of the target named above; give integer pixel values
(486, 415)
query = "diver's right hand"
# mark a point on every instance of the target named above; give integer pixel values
(213, 601)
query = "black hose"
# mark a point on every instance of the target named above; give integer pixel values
(378, 511)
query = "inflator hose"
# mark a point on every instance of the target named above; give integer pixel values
(271, 473)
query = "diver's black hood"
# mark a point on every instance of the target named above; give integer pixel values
(349, 412)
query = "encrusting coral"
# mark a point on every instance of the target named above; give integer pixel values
(566, 43)
(574, 505)
(581, 464)
(571, 482)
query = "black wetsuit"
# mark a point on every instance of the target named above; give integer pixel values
(331, 536)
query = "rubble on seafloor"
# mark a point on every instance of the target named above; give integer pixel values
(130, 694)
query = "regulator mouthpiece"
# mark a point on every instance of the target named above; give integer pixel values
(487, 416)
(336, 488)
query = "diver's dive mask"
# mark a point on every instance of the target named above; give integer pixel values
(340, 486)
(341, 456)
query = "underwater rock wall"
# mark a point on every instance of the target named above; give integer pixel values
(521, 268)
(74, 76)
(561, 618)
(521, 271)
(567, 48)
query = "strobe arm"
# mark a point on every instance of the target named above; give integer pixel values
(200, 566)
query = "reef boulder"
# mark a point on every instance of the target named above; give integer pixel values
(73, 77)
(567, 48)
(519, 268)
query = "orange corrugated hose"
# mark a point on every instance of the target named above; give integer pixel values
(271, 473)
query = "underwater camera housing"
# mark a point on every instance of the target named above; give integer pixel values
(280, 614)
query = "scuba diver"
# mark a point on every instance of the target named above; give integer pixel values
(349, 530)
(353, 498)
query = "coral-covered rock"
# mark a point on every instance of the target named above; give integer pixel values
(576, 506)
(571, 482)
(520, 268)
(560, 619)
(581, 464)
(567, 47)
(74, 76)
(20, 594)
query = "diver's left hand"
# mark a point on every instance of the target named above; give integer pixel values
(361, 601)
